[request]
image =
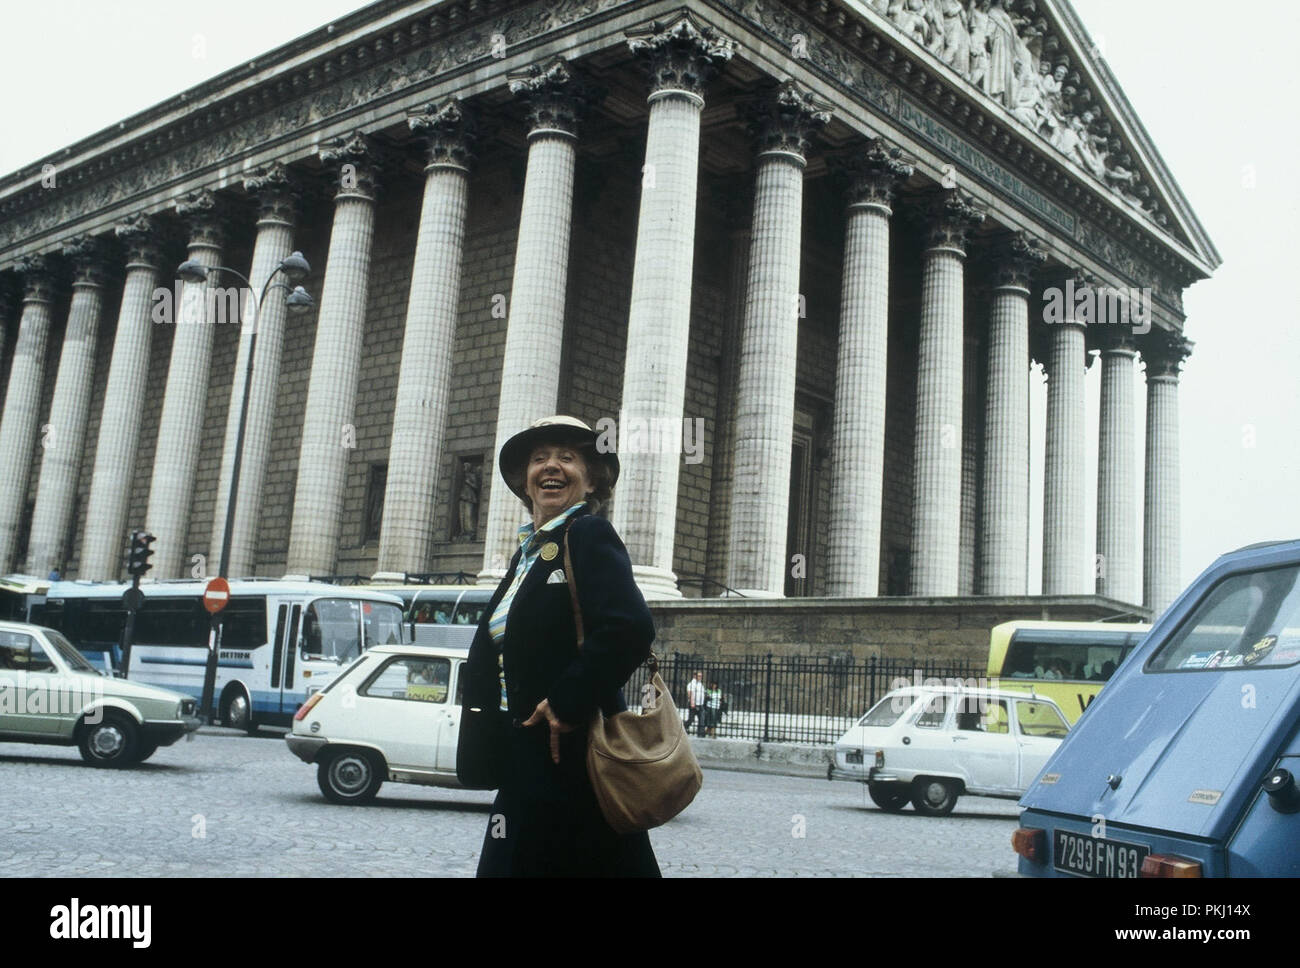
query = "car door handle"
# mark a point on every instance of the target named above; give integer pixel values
(961, 738)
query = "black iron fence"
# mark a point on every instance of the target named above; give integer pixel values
(791, 699)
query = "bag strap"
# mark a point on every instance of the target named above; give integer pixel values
(652, 660)
(573, 589)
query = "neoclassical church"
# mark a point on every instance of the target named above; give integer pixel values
(804, 254)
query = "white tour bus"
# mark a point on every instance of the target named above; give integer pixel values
(281, 640)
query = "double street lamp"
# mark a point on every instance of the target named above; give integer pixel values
(295, 269)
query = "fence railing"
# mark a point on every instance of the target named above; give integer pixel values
(790, 699)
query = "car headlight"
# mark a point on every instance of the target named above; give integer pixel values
(186, 707)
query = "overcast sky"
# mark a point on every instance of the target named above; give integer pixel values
(1216, 89)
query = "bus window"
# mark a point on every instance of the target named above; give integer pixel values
(243, 624)
(331, 629)
(470, 608)
(171, 621)
(433, 610)
(383, 623)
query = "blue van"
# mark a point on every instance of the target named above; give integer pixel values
(1186, 763)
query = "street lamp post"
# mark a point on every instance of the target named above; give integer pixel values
(295, 269)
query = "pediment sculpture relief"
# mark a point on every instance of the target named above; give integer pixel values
(1004, 49)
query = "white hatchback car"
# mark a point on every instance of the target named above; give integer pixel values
(929, 745)
(393, 714)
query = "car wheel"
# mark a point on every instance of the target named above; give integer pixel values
(892, 797)
(350, 776)
(113, 741)
(237, 713)
(933, 796)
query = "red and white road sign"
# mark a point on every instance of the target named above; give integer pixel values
(216, 595)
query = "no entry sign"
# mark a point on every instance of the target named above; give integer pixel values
(216, 595)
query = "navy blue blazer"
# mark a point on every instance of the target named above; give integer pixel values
(541, 655)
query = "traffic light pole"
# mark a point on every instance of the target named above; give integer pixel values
(137, 563)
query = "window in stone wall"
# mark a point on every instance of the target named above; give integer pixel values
(467, 493)
(374, 516)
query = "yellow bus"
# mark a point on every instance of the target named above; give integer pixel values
(1068, 662)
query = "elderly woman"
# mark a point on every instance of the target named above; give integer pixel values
(526, 672)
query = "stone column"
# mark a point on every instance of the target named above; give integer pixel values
(1116, 567)
(530, 368)
(277, 198)
(1163, 353)
(180, 428)
(769, 344)
(1004, 548)
(858, 437)
(1066, 564)
(682, 57)
(406, 533)
(328, 433)
(104, 542)
(936, 495)
(69, 411)
(21, 415)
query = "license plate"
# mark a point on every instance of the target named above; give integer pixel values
(853, 756)
(1096, 857)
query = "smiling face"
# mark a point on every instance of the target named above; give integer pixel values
(556, 478)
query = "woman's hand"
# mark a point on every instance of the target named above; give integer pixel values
(543, 711)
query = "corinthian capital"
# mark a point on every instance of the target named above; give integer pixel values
(141, 240)
(873, 173)
(1015, 259)
(784, 121)
(1163, 353)
(276, 191)
(682, 55)
(38, 284)
(86, 253)
(556, 96)
(200, 211)
(953, 214)
(448, 131)
(357, 164)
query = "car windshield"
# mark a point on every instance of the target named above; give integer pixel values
(1250, 620)
(69, 654)
(888, 710)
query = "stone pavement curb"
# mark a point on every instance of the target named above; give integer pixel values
(750, 756)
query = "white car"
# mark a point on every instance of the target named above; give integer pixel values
(394, 714)
(50, 694)
(930, 745)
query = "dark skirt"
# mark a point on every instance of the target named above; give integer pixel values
(546, 822)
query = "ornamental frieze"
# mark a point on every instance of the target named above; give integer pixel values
(333, 96)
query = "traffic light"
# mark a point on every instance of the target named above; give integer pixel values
(137, 561)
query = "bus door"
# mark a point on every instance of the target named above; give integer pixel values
(284, 671)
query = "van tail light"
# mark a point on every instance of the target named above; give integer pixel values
(880, 759)
(305, 708)
(1169, 865)
(1031, 844)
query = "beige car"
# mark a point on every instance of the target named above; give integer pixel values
(50, 694)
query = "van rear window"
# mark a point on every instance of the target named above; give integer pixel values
(1244, 621)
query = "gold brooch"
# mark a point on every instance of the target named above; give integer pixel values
(550, 550)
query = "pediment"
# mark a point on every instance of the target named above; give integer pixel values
(1036, 62)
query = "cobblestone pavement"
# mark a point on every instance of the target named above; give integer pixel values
(229, 805)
